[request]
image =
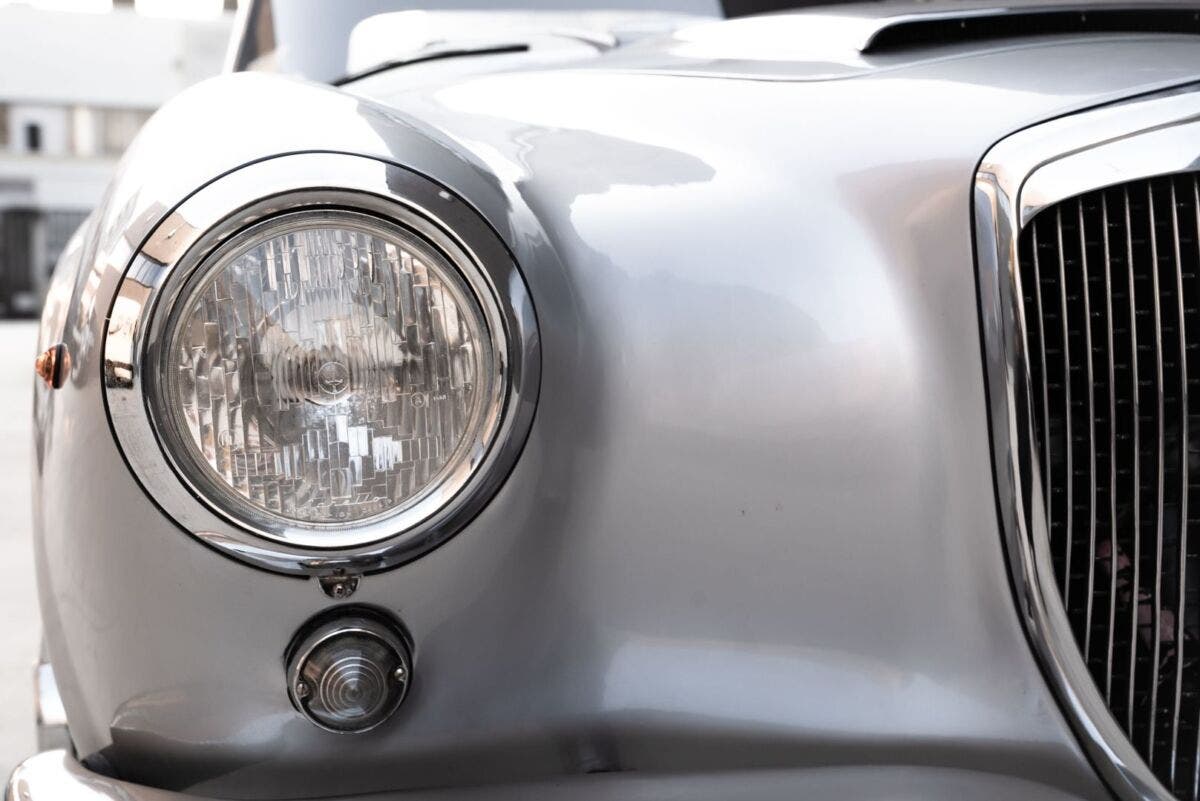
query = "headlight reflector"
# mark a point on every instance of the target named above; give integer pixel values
(325, 369)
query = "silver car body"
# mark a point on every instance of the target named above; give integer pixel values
(751, 547)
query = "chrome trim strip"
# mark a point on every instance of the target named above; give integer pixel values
(1021, 175)
(189, 233)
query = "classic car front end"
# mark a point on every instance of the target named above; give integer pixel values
(790, 406)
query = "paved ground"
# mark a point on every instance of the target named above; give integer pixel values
(19, 627)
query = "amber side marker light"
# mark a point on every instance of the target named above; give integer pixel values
(52, 365)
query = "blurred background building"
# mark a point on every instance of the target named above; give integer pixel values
(80, 77)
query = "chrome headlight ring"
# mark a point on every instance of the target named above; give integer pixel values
(221, 213)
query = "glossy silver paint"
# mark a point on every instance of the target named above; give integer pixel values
(1020, 176)
(183, 240)
(311, 38)
(754, 527)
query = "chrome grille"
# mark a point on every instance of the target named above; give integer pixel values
(1110, 293)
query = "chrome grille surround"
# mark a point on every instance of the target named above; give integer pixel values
(1025, 174)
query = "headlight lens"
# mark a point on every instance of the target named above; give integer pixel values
(325, 369)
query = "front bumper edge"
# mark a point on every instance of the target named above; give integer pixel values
(57, 776)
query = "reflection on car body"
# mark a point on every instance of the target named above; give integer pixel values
(633, 404)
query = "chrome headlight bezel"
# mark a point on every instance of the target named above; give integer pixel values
(185, 241)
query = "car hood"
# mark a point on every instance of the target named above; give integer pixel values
(631, 118)
(818, 43)
(826, 42)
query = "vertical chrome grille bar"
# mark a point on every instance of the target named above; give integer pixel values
(1186, 456)
(1047, 476)
(1113, 549)
(1177, 636)
(1068, 528)
(1137, 465)
(1183, 481)
(1085, 287)
(1156, 599)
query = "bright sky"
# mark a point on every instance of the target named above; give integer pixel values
(191, 9)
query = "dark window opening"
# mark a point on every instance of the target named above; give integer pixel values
(33, 137)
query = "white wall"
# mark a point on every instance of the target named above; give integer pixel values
(119, 59)
(52, 62)
(52, 121)
(54, 183)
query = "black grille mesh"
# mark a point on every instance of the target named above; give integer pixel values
(1110, 292)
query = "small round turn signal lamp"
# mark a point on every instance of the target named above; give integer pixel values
(349, 674)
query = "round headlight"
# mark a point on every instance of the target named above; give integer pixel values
(326, 369)
(321, 364)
